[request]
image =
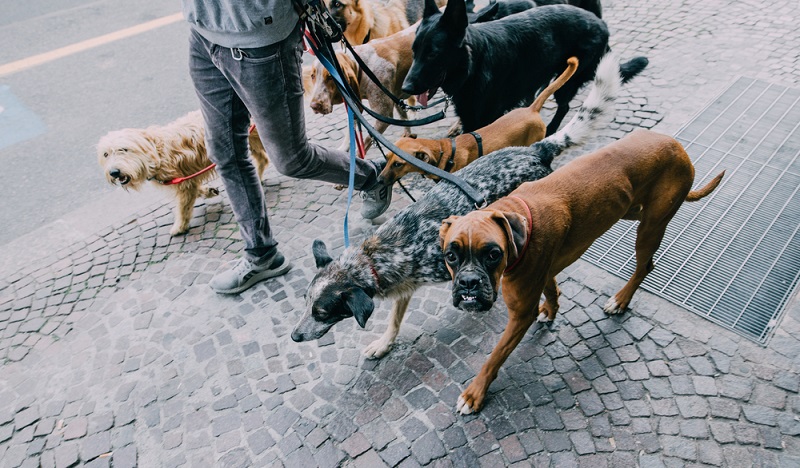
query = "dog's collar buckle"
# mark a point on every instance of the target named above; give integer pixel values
(452, 161)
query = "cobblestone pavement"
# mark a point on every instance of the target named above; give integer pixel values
(116, 352)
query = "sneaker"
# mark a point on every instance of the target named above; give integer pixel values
(375, 201)
(245, 274)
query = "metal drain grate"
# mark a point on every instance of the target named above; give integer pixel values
(733, 257)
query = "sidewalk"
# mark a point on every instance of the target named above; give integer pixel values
(116, 352)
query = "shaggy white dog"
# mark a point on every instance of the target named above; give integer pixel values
(168, 156)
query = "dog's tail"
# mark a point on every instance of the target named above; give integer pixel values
(596, 111)
(632, 68)
(572, 65)
(695, 195)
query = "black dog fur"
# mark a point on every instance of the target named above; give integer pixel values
(489, 68)
(503, 8)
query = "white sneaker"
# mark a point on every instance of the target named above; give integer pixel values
(245, 274)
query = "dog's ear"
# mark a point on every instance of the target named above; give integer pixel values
(360, 304)
(422, 156)
(320, 252)
(516, 229)
(350, 70)
(486, 14)
(446, 227)
(430, 8)
(455, 16)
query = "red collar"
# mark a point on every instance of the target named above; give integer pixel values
(527, 239)
(178, 180)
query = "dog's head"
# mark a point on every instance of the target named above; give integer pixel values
(477, 248)
(438, 49)
(333, 295)
(324, 93)
(422, 149)
(127, 157)
(345, 12)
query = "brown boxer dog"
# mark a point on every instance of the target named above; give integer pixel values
(542, 227)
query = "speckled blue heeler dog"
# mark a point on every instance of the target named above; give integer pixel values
(404, 253)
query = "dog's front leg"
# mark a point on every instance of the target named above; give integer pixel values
(404, 115)
(472, 398)
(183, 209)
(379, 348)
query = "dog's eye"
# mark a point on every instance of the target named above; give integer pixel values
(335, 4)
(397, 164)
(495, 255)
(124, 150)
(450, 257)
(105, 155)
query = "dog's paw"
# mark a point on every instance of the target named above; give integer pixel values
(339, 186)
(543, 318)
(463, 407)
(178, 229)
(377, 349)
(611, 307)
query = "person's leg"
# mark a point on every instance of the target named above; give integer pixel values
(269, 81)
(226, 122)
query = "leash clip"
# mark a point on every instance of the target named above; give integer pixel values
(237, 54)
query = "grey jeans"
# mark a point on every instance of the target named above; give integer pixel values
(265, 84)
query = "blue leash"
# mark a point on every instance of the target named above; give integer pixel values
(351, 180)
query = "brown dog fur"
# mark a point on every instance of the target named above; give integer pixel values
(162, 153)
(645, 176)
(520, 127)
(373, 18)
(389, 58)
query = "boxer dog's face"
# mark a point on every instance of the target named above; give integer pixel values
(477, 247)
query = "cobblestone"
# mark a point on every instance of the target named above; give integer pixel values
(116, 345)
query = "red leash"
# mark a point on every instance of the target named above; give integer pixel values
(178, 180)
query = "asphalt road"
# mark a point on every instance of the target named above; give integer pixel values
(53, 113)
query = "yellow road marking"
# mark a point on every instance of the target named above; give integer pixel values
(35, 60)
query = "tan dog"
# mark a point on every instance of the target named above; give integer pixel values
(542, 227)
(389, 58)
(160, 154)
(365, 20)
(520, 127)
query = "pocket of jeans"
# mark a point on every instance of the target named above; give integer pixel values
(261, 55)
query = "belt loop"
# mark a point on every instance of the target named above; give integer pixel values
(236, 54)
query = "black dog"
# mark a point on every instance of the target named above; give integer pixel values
(489, 68)
(502, 8)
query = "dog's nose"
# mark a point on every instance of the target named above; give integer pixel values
(297, 337)
(316, 106)
(469, 281)
(115, 173)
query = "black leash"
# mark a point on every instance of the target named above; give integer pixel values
(317, 19)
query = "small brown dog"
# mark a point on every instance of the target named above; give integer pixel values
(389, 58)
(365, 20)
(161, 154)
(542, 227)
(520, 127)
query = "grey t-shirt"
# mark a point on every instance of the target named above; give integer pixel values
(241, 23)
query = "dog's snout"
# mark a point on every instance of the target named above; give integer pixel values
(297, 337)
(115, 173)
(469, 281)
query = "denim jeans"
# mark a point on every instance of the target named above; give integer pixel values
(265, 84)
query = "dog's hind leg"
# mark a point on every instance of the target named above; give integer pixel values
(648, 239)
(183, 209)
(379, 348)
(548, 310)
